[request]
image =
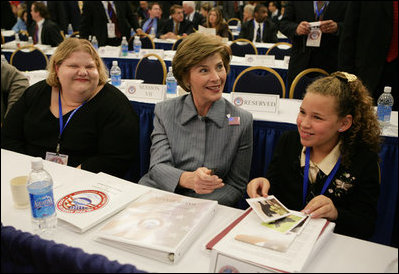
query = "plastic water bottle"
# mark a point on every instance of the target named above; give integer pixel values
(384, 106)
(30, 40)
(136, 44)
(239, 26)
(171, 83)
(40, 189)
(152, 32)
(70, 30)
(124, 46)
(115, 74)
(17, 40)
(132, 32)
(94, 42)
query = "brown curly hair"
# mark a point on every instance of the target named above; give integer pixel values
(352, 98)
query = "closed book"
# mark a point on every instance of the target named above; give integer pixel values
(160, 225)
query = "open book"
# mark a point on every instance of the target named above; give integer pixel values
(160, 225)
(263, 249)
(84, 204)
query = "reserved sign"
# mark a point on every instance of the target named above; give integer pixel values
(153, 92)
(159, 52)
(256, 102)
(265, 60)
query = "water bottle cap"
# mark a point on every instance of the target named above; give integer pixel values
(170, 69)
(114, 63)
(387, 89)
(37, 163)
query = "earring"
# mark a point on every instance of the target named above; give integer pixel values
(340, 129)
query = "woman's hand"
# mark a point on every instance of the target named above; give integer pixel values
(258, 187)
(200, 180)
(321, 207)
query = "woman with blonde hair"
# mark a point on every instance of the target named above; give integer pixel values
(75, 117)
(329, 167)
(201, 143)
(215, 20)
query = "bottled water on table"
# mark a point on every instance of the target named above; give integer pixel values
(94, 42)
(40, 189)
(132, 32)
(137, 44)
(239, 26)
(124, 47)
(171, 83)
(115, 74)
(152, 32)
(70, 30)
(384, 106)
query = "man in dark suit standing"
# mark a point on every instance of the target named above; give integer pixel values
(191, 15)
(369, 45)
(154, 21)
(43, 30)
(109, 21)
(176, 26)
(261, 28)
(295, 25)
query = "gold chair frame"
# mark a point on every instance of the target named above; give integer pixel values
(173, 46)
(31, 48)
(276, 45)
(159, 59)
(261, 68)
(246, 41)
(233, 19)
(300, 75)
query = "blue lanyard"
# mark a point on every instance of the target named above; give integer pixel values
(317, 11)
(306, 176)
(62, 127)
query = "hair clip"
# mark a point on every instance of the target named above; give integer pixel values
(345, 76)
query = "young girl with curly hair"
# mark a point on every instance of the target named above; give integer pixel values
(329, 167)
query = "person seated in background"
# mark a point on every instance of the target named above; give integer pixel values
(191, 15)
(260, 29)
(154, 21)
(274, 12)
(215, 20)
(13, 85)
(21, 21)
(201, 143)
(43, 30)
(205, 8)
(176, 26)
(143, 11)
(329, 167)
(248, 13)
(74, 116)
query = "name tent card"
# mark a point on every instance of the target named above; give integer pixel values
(255, 102)
(264, 60)
(159, 52)
(152, 92)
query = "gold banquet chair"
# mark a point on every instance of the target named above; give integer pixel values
(259, 79)
(146, 41)
(177, 43)
(29, 58)
(241, 46)
(303, 80)
(233, 21)
(280, 50)
(151, 70)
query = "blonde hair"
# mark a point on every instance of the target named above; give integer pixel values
(193, 50)
(64, 50)
(353, 98)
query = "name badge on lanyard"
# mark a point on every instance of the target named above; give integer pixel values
(111, 30)
(314, 37)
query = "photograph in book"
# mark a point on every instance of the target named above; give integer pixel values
(291, 223)
(268, 208)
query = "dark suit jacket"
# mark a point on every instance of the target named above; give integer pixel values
(50, 33)
(73, 14)
(365, 41)
(185, 27)
(198, 19)
(269, 31)
(302, 57)
(94, 20)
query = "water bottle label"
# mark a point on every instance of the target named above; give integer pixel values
(124, 50)
(42, 204)
(116, 80)
(137, 49)
(171, 87)
(384, 113)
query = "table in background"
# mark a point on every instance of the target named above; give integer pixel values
(339, 254)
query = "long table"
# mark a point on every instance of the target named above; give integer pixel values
(352, 254)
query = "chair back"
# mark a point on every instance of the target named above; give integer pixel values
(241, 46)
(151, 71)
(233, 21)
(259, 79)
(231, 35)
(280, 50)
(29, 58)
(177, 43)
(146, 41)
(303, 80)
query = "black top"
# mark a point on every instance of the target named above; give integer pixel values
(101, 136)
(354, 190)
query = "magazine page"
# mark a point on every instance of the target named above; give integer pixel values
(160, 221)
(268, 208)
(85, 203)
(291, 260)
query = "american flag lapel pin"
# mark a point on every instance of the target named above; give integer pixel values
(233, 121)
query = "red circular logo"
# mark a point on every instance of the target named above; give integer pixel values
(82, 201)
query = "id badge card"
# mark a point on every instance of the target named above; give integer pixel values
(314, 37)
(60, 158)
(111, 30)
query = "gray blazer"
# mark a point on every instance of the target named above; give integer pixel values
(183, 141)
